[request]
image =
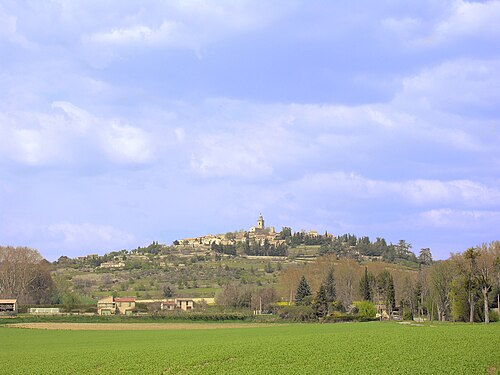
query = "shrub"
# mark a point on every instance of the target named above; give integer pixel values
(298, 313)
(339, 318)
(494, 317)
(407, 314)
(366, 309)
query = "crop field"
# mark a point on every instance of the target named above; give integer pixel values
(353, 348)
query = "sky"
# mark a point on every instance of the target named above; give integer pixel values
(123, 122)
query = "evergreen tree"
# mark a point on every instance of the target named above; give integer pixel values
(365, 287)
(320, 304)
(390, 295)
(330, 291)
(303, 291)
(167, 291)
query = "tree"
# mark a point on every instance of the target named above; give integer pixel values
(330, 292)
(303, 291)
(390, 297)
(24, 275)
(365, 287)
(263, 299)
(346, 282)
(268, 268)
(385, 290)
(234, 296)
(487, 261)
(168, 291)
(320, 303)
(469, 270)
(425, 256)
(441, 277)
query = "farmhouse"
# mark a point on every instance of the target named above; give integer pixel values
(185, 304)
(8, 306)
(125, 305)
(111, 305)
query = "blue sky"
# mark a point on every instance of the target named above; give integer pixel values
(123, 123)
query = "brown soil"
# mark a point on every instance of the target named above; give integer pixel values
(131, 326)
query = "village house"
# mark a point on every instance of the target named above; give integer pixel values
(106, 306)
(185, 304)
(125, 305)
(112, 306)
(8, 306)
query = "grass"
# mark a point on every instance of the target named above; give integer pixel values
(361, 348)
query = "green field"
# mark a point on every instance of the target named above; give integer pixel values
(356, 348)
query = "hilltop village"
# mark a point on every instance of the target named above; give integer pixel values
(259, 240)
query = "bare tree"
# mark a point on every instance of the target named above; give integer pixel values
(24, 275)
(441, 277)
(347, 281)
(486, 263)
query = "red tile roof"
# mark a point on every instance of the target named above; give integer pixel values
(125, 299)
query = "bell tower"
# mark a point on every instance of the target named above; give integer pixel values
(260, 222)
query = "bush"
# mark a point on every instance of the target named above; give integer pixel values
(366, 309)
(407, 314)
(339, 318)
(298, 313)
(494, 317)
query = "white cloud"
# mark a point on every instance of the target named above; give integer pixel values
(90, 236)
(460, 219)
(126, 144)
(462, 86)
(72, 136)
(166, 33)
(417, 192)
(469, 19)
(227, 155)
(186, 24)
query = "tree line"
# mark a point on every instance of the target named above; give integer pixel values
(462, 288)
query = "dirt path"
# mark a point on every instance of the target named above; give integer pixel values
(131, 326)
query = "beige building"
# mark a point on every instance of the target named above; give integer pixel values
(106, 306)
(111, 306)
(8, 306)
(125, 305)
(185, 304)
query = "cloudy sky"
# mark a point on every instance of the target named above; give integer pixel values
(123, 123)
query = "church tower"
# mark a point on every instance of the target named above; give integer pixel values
(260, 223)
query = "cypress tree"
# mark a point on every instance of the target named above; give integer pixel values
(390, 294)
(330, 292)
(303, 290)
(364, 286)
